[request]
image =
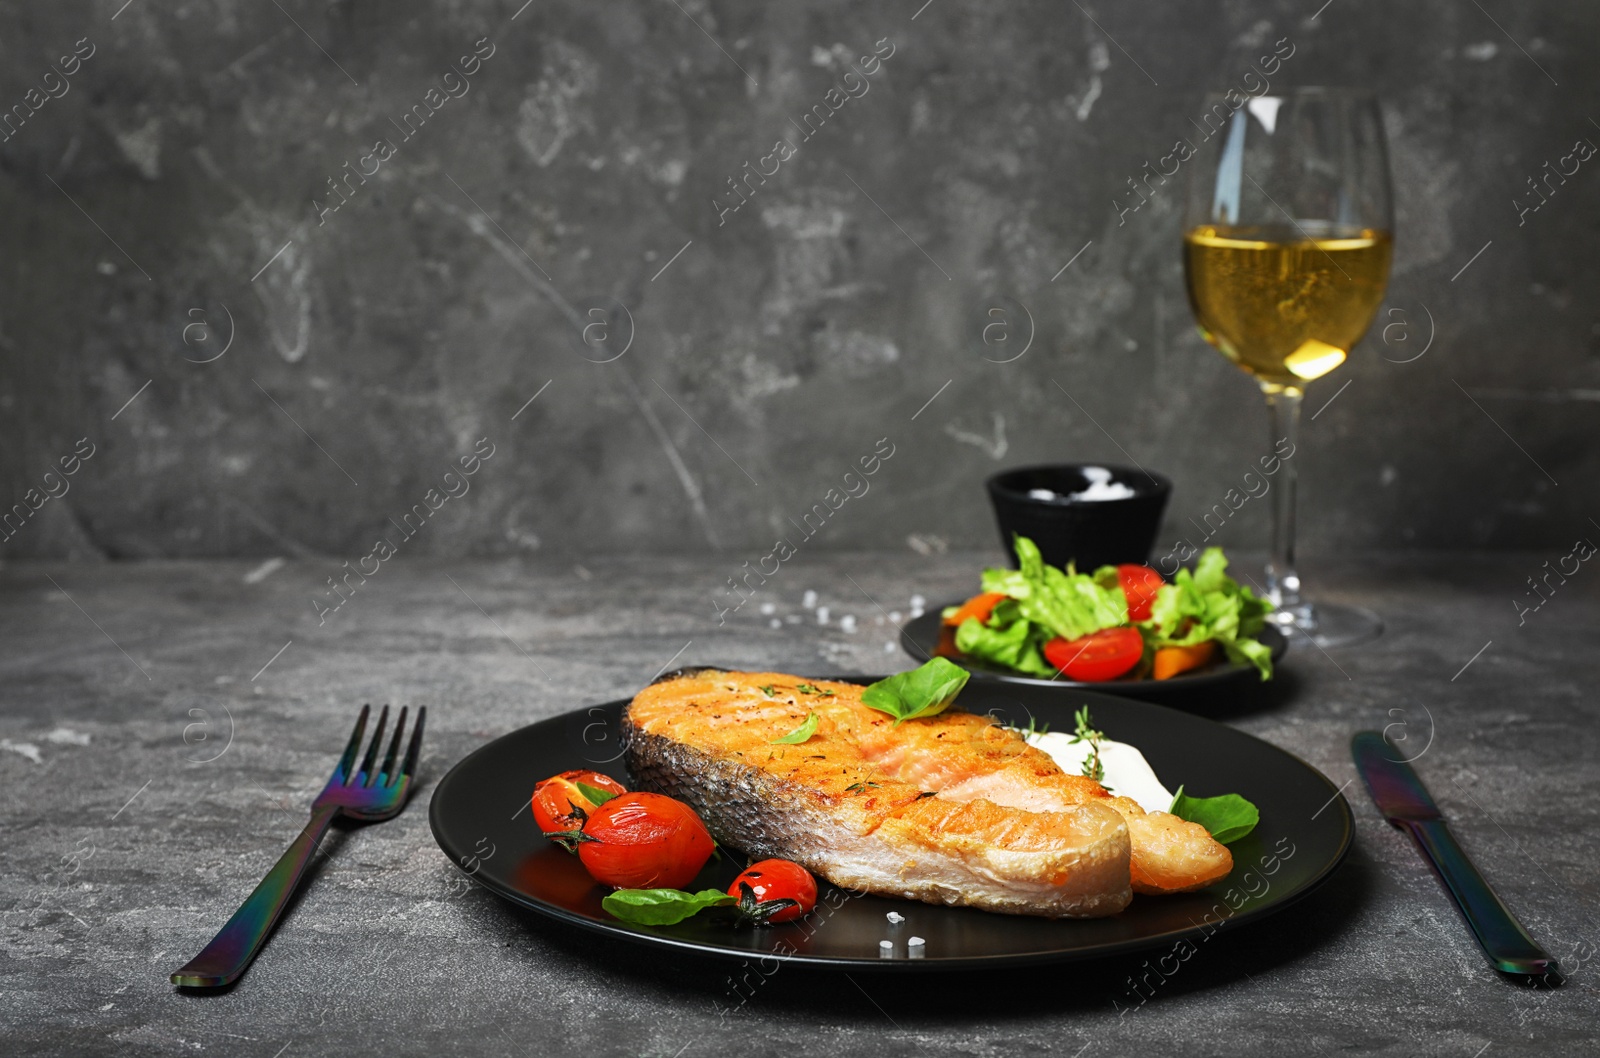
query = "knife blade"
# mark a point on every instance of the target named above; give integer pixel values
(1406, 803)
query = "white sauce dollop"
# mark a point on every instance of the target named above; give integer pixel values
(1128, 774)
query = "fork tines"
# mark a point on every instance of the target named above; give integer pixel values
(386, 775)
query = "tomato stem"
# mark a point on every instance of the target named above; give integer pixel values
(568, 839)
(759, 913)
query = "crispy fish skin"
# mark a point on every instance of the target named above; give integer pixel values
(831, 804)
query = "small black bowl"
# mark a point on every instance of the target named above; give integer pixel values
(1047, 504)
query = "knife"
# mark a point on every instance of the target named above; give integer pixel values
(1406, 803)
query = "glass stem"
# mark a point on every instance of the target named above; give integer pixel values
(1283, 581)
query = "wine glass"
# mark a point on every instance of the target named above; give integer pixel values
(1287, 237)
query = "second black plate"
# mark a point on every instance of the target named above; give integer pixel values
(919, 637)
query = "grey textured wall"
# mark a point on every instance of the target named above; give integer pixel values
(176, 196)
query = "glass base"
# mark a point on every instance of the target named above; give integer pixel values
(1329, 624)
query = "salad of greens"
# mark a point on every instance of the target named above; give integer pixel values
(1117, 621)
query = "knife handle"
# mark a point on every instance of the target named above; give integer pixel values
(1501, 936)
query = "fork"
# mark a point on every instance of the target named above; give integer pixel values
(365, 795)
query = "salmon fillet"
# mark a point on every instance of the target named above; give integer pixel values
(1169, 855)
(949, 810)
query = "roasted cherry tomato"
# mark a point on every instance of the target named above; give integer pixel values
(1139, 585)
(1102, 655)
(557, 801)
(775, 880)
(644, 841)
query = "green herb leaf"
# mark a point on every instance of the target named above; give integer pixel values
(1034, 727)
(1228, 817)
(810, 688)
(1007, 639)
(1085, 732)
(596, 796)
(768, 690)
(1064, 603)
(801, 733)
(1205, 603)
(661, 907)
(924, 691)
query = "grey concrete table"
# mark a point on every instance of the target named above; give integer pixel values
(164, 726)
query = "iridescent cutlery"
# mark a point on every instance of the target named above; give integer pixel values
(364, 794)
(1406, 803)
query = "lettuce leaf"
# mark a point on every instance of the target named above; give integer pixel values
(1012, 641)
(1064, 602)
(1205, 603)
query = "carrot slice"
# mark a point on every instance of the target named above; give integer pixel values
(979, 607)
(1170, 661)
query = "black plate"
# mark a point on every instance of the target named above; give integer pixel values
(480, 818)
(920, 638)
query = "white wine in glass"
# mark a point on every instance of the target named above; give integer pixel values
(1288, 234)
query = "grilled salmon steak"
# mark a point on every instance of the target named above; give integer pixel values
(952, 809)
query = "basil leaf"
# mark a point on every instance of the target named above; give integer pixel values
(1228, 817)
(801, 733)
(596, 796)
(923, 691)
(661, 907)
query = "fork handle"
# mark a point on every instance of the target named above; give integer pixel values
(232, 949)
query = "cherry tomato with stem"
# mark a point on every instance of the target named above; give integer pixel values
(1139, 586)
(560, 804)
(644, 841)
(773, 891)
(1098, 656)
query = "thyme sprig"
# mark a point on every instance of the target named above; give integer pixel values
(1085, 732)
(1034, 728)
